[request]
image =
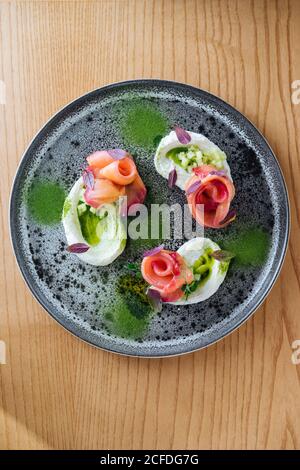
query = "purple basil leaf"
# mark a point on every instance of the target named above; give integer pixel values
(218, 173)
(88, 178)
(78, 248)
(153, 293)
(222, 255)
(229, 217)
(153, 251)
(172, 178)
(117, 154)
(182, 135)
(154, 299)
(193, 187)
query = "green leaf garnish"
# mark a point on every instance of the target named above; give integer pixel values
(190, 288)
(135, 269)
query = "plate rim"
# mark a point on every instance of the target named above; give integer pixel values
(149, 81)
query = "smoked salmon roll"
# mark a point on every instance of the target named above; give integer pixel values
(136, 192)
(103, 192)
(189, 275)
(111, 174)
(166, 272)
(212, 191)
(99, 159)
(122, 172)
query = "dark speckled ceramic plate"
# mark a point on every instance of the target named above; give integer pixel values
(134, 115)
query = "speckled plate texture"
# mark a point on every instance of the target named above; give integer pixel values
(78, 295)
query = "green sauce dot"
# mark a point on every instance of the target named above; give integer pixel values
(250, 247)
(45, 202)
(121, 321)
(130, 314)
(143, 124)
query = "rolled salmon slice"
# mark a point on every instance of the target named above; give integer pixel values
(166, 272)
(104, 192)
(122, 172)
(136, 192)
(99, 159)
(114, 178)
(173, 296)
(214, 193)
(157, 270)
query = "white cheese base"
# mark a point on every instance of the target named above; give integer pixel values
(191, 251)
(165, 165)
(113, 239)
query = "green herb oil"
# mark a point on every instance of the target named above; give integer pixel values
(130, 315)
(143, 124)
(45, 201)
(250, 246)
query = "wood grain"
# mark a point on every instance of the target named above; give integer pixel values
(57, 392)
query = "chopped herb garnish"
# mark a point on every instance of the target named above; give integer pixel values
(135, 269)
(201, 270)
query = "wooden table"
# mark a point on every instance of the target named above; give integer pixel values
(57, 392)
